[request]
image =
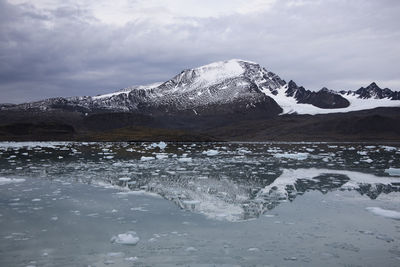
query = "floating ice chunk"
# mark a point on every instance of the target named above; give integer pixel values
(254, 249)
(36, 200)
(115, 254)
(362, 153)
(131, 259)
(161, 145)
(392, 214)
(393, 171)
(389, 148)
(139, 209)
(124, 179)
(368, 160)
(191, 249)
(128, 238)
(54, 218)
(244, 151)
(185, 159)
(298, 156)
(162, 156)
(4, 180)
(211, 152)
(143, 158)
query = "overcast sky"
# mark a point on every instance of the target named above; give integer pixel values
(54, 48)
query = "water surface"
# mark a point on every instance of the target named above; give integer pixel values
(246, 204)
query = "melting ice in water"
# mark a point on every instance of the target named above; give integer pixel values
(392, 214)
(128, 238)
(224, 181)
(41, 188)
(225, 199)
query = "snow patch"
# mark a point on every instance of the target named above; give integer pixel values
(290, 105)
(126, 91)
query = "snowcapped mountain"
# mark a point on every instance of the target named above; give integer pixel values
(236, 85)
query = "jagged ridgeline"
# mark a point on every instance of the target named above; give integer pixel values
(204, 99)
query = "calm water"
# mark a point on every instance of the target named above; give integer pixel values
(245, 204)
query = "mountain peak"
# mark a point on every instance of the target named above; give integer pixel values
(374, 91)
(226, 65)
(242, 60)
(373, 85)
(233, 84)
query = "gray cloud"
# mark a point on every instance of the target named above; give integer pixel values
(341, 44)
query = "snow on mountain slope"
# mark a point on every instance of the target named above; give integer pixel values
(290, 104)
(233, 82)
(227, 81)
(209, 75)
(213, 84)
(126, 91)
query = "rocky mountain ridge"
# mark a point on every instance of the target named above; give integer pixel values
(225, 86)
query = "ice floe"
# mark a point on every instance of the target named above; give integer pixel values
(389, 148)
(161, 156)
(161, 145)
(298, 156)
(31, 145)
(128, 238)
(144, 158)
(4, 180)
(191, 249)
(393, 171)
(185, 159)
(392, 214)
(211, 152)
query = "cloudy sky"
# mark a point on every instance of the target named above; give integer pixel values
(54, 48)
